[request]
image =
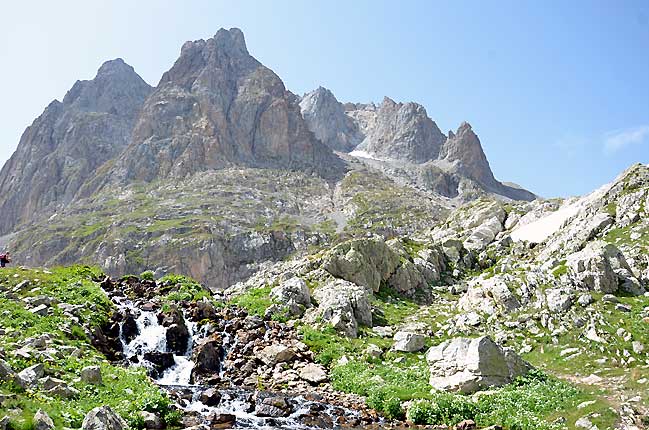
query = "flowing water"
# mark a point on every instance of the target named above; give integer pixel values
(151, 338)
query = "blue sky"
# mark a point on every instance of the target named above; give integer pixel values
(557, 91)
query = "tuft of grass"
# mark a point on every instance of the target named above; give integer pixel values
(255, 301)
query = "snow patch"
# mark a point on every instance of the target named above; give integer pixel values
(363, 154)
(541, 229)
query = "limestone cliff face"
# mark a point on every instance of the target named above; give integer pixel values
(463, 153)
(66, 144)
(216, 107)
(401, 131)
(326, 118)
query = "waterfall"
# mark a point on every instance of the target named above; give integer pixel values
(234, 403)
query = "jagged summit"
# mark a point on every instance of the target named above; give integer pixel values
(217, 107)
(64, 146)
(464, 152)
(326, 118)
(401, 131)
(116, 89)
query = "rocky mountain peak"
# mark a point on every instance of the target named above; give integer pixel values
(223, 56)
(401, 131)
(66, 144)
(326, 118)
(217, 107)
(463, 151)
(116, 89)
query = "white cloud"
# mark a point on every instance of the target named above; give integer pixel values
(620, 139)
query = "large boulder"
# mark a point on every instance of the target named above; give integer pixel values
(365, 262)
(103, 418)
(177, 333)
(430, 262)
(344, 305)
(490, 296)
(207, 355)
(484, 234)
(600, 266)
(294, 294)
(468, 365)
(407, 341)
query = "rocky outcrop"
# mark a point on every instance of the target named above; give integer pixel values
(464, 155)
(601, 266)
(469, 365)
(490, 296)
(293, 294)
(326, 118)
(343, 305)
(216, 107)
(65, 146)
(365, 262)
(399, 131)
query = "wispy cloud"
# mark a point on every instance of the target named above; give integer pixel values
(619, 139)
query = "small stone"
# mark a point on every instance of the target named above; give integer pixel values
(274, 354)
(466, 425)
(586, 404)
(373, 351)
(623, 308)
(91, 375)
(151, 420)
(210, 397)
(40, 310)
(592, 380)
(313, 373)
(638, 347)
(609, 298)
(103, 418)
(42, 421)
(585, 299)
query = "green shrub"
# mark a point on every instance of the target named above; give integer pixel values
(443, 408)
(147, 275)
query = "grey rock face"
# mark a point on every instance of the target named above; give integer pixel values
(365, 262)
(103, 418)
(294, 294)
(344, 305)
(65, 145)
(469, 365)
(463, 151)
(218, 106)
(401, 131)
(326, 118)
(592, 267)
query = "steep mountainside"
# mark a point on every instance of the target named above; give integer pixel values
(69, 141)
(220, 168)
(327, 119)
(402, 141)
(217, 107)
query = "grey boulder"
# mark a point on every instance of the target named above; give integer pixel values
(468, 365)
(103, 418)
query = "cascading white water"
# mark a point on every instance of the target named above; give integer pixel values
(152, 337)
